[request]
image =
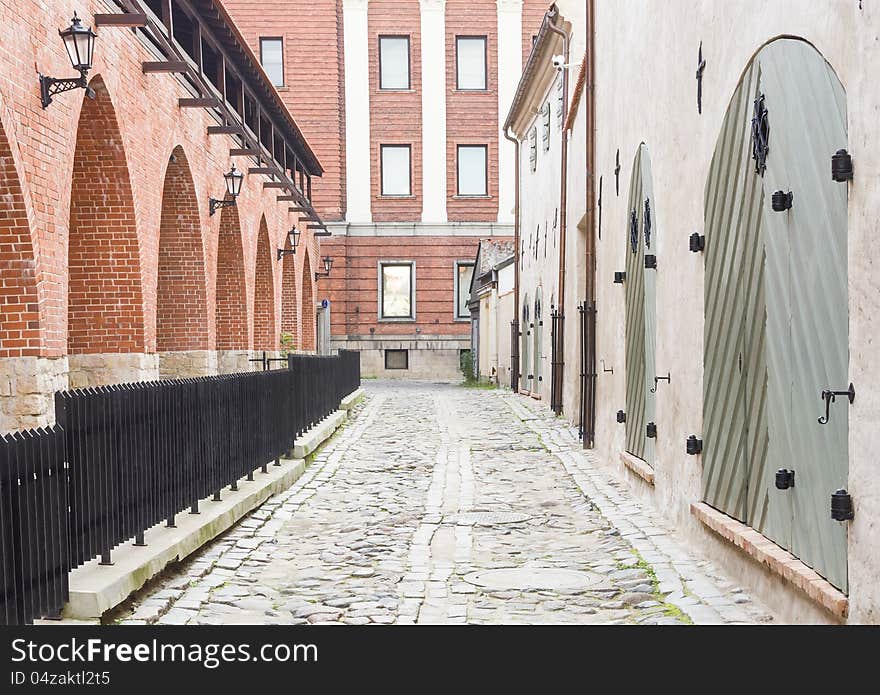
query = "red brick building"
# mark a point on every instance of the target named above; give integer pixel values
(112, 267)
(403, 102)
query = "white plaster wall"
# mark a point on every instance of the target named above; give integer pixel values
(646, 57)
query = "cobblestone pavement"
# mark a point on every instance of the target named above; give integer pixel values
(443, 504)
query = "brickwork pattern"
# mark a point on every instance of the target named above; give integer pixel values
(265, 336)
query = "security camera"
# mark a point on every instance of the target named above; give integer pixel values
(559, 62)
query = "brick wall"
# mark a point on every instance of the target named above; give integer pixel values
(87, 180)
(181, 298)
(313, 75)
(472, 116)
(532, 15)
(265, 336)
(354, 283)
(395, 116)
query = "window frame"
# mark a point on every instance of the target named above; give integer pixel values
(382, 193)
(455, 315)
(485, 148)
(279, 39)
(380, 292)
(485, 39)
(408, 38)
(405, 351)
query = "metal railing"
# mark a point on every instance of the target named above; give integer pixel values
(587, 419)
(557, 323)
(124, 458)
(514, 356)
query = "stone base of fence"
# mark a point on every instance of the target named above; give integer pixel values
(96, 589)
(351, 400)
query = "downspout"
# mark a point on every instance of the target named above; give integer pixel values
(591, 152)
(515, 142)
(563, 197)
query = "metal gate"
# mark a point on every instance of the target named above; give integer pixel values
(556, 360)
(525, 377)
(514, 355)
(640, 314)
(587, 418)
(776, 306)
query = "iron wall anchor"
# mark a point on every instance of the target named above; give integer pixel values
(830, 397)
(666, 378)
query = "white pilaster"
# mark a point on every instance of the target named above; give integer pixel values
(357, 110)
(433, 29)
(509, 71)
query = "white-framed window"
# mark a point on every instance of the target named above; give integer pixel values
(396, 169)
(394, 71)
(472, 170)
(397, 290)
(272, 58)
(470, 63)
(464, 272)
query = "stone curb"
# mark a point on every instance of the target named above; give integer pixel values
(312, 439)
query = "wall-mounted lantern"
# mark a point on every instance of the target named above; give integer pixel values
(294, 235)
(79, 42)
(328, 264)
(233, 179)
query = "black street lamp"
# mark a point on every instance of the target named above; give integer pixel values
(328, 264)
(79, 42)
(233, 179)
(294, 235)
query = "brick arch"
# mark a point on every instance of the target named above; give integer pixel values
(307, 313)
(181, 301)
(265, 337)
(289, 312)
(19, 306)
(104, 299)
(231, 305)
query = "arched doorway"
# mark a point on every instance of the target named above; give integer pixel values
(308, 314)
(289, 312)
(265, 337)
(104, 299)
(641, 254)
(181, 295)
(776, 306)
(231, 295)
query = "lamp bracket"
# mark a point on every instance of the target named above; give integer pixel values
(50, 86)
(214, 204)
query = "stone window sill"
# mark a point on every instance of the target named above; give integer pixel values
(779, 561)
(638, 466)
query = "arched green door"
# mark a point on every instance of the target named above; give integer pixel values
(776, 306)
(640, 284)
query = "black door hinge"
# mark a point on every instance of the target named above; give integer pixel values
(651, 261)
(842, 506)
(784, 479)
(693, 446)
(617, 173)
(701, 66)
(651, 430)
(621, 416)
(697, 242)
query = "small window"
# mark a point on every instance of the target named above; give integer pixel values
(545, 113)
(272, 59)
(533, 148)
(470, 62)
(394, 62)
(396, 179)
(471, 167)
(396, 300)
(397, 359)
(464, 271)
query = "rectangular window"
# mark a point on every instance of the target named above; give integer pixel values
(396, 294)
(395, 165)
(464, 271)
(470, 62)
(394, 62)
(533, 148)
(471, 167)
(272, 59)
(397, 359)
(545, 112)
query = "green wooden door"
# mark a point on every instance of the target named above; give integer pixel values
(776, 329)
(526, 336)
(640, 313)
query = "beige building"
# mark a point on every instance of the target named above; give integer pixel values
(492, 302)
(723, 240)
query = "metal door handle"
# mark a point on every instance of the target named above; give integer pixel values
(830, 396)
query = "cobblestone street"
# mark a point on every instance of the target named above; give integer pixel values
(443, 504)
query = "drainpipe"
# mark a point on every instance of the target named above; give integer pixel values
(590, 260)
(515, 142)
(563, 194)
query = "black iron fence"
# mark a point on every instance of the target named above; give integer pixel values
(557, 324)
(514, 356)
(124, 458)
(587, 419)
